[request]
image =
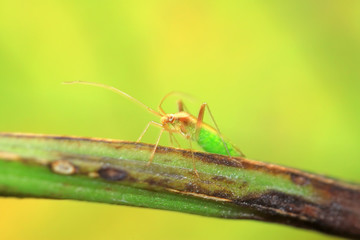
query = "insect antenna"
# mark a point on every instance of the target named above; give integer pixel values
(161, 110)
(118, 92)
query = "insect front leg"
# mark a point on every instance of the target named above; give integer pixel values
(157, 142)
(156, 145)
(146, 128)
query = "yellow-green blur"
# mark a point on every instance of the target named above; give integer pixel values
(282, 80)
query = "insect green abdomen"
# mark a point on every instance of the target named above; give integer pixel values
(211, 142)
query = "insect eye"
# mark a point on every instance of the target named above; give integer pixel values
(171, 118)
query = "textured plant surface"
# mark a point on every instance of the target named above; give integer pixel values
(116, 172)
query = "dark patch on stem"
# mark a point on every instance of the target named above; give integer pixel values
(298, 179)
(160, 182)
(285, 208)
(112, 174)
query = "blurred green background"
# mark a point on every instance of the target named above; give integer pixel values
(282, 79)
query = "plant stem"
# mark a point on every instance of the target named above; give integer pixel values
(116, 172)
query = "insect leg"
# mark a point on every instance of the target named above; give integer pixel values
(200, 121)
(193, 158)
(177, 143)
(172, 137)
(180, 105)
(146, 128)
(156, 145)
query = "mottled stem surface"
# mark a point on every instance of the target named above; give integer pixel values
(112, 171)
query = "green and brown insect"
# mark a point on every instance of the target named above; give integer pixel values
(190, 127)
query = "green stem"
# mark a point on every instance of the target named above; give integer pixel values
(116, 172)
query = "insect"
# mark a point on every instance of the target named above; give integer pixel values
(190, 127)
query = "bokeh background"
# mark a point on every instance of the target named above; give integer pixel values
(282, 79)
